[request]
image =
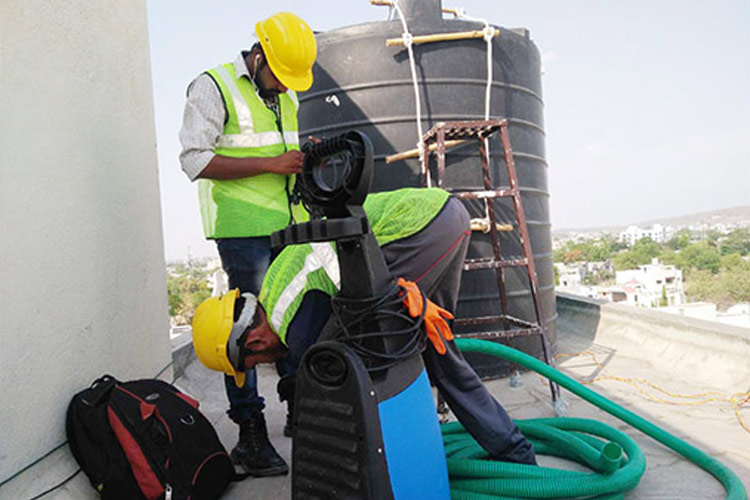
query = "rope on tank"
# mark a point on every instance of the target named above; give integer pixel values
(408, 42)
(407, 39)
(489, 34)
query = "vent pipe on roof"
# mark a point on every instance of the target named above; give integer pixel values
(422, 11)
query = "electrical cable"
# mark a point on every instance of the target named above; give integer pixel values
(354, 314)
(736, 400)
(53, 488)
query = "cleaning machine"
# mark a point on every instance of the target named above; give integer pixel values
(365, 425)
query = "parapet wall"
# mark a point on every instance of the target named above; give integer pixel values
(706, 353)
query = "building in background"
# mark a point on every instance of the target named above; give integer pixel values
(657, 233)
(654, 284)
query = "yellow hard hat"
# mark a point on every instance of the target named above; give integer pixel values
(290, 49)
(218, 339)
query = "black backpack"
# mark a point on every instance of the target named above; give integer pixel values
(146, 440)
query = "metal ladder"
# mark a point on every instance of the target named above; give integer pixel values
(447, 134)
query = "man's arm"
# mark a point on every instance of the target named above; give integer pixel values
(203, 124)
(308, 324)
(225, 167)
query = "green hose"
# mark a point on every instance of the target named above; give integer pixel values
(617, 461)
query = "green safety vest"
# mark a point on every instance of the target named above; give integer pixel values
(257, 205)
(298, 269)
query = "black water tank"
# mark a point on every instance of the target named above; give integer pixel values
(361, 83)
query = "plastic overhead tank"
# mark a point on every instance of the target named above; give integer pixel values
(360, 83)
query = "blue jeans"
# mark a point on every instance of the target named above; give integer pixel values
(245, 260)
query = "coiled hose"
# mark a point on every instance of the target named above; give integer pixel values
(616, 459)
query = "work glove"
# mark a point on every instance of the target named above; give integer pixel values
(435, 323)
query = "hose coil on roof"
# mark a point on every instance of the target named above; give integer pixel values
(588, 442)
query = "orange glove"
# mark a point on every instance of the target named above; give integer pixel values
(434, 316)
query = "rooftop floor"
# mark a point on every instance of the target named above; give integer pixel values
(622, 349)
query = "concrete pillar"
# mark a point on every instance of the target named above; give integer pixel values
(82, 275)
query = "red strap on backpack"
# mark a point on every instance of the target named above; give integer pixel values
(145, 477)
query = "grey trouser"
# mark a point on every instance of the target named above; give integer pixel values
(434, 259)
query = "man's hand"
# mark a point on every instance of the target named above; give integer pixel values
(289, 163)
(268, 356)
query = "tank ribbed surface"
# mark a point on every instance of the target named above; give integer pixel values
(360, 83)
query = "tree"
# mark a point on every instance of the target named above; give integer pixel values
(598, 277)
(187, 287)
(600, 251)
(667, 256)
(680, 240)
(643, 251)
(624, 260)
(712, 237)
(724, 289)
(574, 255)
(733, 262)
(585, 251)
(702, 285)
(700, 256)
(738, 241)
(617, 246)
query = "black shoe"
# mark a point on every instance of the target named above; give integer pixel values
(254, 451)
(285, 388)
(289, 426)
(521, 453)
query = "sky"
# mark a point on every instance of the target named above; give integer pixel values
(647, 102)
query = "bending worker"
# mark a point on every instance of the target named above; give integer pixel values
(424, 236)
(239, 140)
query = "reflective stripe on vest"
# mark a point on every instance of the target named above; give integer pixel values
(258, 205)
(313, 266)
(247, 137)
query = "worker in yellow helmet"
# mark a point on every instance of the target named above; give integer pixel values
(239, 142)
(424, 237)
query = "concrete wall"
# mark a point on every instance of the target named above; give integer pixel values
(82, 276)
(705, 352)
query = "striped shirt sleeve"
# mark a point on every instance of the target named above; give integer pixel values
(202, 125)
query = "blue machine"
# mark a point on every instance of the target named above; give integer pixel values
(413, 443)
(365, 425)
(347, 445)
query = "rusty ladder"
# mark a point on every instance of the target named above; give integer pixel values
(462, 131)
